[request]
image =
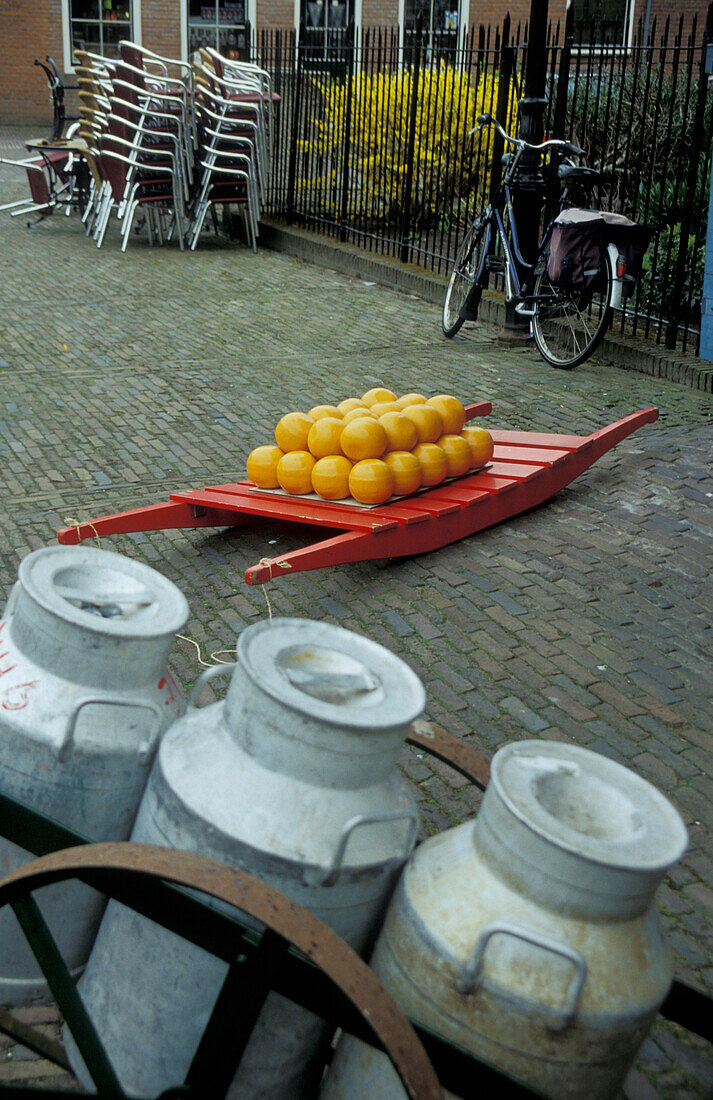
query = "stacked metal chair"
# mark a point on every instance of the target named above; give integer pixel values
(233, 106)
(93, 74)
(147, 151)
(170, 141)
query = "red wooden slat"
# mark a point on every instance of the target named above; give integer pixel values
(297, 509)
(540, 439)
(397, 509)
(165, 516)
(519, 471)
(349, 546)
(429, 504)
(542, 455)
(478, 408)
(491, 483)
(402, 511)
(466, 498)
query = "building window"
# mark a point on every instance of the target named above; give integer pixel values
(99, 26)
(601, 22)
(440, 22)
(325, 23)
(220, 24)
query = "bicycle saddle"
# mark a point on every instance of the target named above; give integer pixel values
(584, 177)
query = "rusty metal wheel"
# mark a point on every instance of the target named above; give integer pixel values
(458, 754)
(334, 979)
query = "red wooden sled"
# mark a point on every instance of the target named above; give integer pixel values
(527, 468)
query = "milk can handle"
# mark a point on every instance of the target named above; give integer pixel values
(207, 675)
(327, 876)
(471, 977)
(144, 748)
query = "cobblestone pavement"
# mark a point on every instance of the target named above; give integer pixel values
(586, 620)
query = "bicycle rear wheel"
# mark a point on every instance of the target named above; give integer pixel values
(568, 325)
(462, 277)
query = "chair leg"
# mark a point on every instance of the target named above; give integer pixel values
(198, 225)
(103, 221)
(128, 222)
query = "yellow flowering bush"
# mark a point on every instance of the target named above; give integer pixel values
(447, 164)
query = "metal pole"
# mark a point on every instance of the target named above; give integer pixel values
(706, 68)
(532, 107)
(705, 350)
(529, 192)
(559, 123)
(506, 69)
(349, 77)
(294, 135)
(413, 103)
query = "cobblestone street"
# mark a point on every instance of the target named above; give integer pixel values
(586, 620)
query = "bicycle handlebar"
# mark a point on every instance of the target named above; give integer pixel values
(566, 146)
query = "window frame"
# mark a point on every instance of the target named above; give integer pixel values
(250, 16)
(356, 5)
(185, 24)
(133, 31)
(463, 21)
(586, 48)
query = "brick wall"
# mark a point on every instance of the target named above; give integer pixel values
(494, 12)
(160, 27)
(379, 13)
(30, 29)
(688, 8)
(33, 28)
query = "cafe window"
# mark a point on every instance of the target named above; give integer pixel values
(220, 24)
(98, 26)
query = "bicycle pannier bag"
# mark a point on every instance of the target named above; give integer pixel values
(576, 249)
(580, 238)
(631, 240)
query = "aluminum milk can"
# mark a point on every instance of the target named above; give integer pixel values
(84, 696)
(293, 779)
(529, 937)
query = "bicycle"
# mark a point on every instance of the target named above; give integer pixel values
(567, 325)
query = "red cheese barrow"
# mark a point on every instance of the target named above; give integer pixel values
(527, 468)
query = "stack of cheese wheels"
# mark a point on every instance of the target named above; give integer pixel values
(371, 447)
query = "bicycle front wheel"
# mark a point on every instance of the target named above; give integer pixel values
(568, 325)
(462, 277)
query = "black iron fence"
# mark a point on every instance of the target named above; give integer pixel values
(373, 144)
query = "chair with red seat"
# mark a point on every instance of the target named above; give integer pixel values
(231, 152)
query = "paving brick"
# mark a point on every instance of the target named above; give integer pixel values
(594, 604)
(693, 1062)
(700, 895)
(636, 1087)
(522, 713)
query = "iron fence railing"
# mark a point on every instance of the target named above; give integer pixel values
(372, 144)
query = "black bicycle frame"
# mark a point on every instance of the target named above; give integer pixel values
(518, 271)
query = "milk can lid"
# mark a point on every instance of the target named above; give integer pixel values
(330, 673)
(103, 591)
(589, 805)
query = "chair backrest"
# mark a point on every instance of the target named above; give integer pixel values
(129, 74)
(150, 61)
(217, 61)
(129, 53)
(113, 169)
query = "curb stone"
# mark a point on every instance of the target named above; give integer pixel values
(627, 353)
